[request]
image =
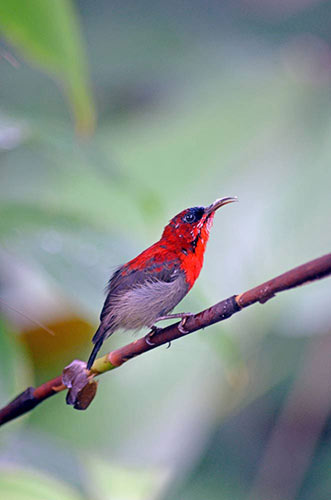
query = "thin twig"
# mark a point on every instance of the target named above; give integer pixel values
(313, 270)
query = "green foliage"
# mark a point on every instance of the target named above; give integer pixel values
(47, 33)
(18, 484)
(15, 371)
(113, 481)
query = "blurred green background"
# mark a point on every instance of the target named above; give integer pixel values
(114, 116)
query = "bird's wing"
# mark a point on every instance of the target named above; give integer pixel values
(126, 278)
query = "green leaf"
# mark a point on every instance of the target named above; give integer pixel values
(47, 33)
(112, 481)
(19, 484)
(26, 217)
(14, 368)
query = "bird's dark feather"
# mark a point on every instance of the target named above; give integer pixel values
(125, 279)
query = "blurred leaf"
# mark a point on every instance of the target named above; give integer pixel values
(39, 451)
(113, 481)
(48, 34)
(14, 370)
(27, 216)
(49, 352)
(19, 484)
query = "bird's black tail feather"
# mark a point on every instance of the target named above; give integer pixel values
(94, 353)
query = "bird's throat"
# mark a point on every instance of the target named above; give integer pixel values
(192, 259)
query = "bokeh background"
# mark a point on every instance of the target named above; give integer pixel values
(114, 116)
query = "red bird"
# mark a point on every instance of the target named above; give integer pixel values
(144, 290)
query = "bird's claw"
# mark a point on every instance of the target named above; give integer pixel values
(181, 326)
(147, 339)
(154, 330)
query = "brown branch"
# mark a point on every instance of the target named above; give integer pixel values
(313, 270)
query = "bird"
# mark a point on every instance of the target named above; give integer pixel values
(146, 289)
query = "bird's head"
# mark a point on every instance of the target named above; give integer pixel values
(191, 226)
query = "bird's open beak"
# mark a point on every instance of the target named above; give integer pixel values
(220, 203)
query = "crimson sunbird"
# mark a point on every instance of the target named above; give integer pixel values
(144, 290)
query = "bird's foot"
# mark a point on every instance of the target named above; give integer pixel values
(182, 316)
(173, 316)
(147, 339)
(154, 330)
(181, 326)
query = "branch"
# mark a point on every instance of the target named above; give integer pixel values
(31, 397)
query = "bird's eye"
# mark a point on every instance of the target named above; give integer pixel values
(189, 217)
(193, 214)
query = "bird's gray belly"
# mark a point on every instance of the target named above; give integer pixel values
(143, 304)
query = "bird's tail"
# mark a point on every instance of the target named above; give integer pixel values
(93, 355)
(97, 340)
